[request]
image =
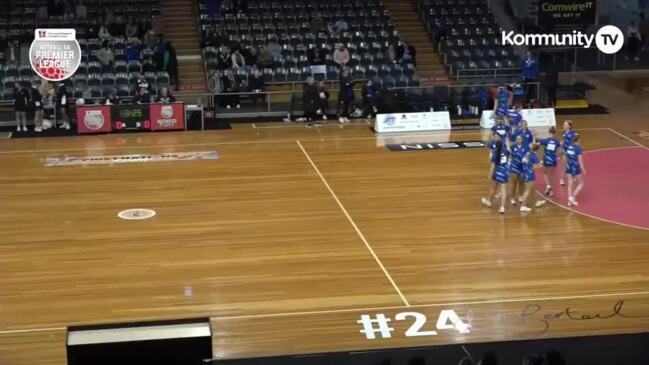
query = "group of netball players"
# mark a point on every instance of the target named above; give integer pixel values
(513, 155)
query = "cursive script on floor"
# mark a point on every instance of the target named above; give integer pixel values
(535, 313)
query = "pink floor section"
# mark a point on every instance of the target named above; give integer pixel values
(616, 186)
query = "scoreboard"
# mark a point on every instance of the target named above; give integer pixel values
(135, 117)
(131, 117)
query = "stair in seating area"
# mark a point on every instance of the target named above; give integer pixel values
(430, 65)
(181, 29)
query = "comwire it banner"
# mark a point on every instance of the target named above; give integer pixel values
(138, 117)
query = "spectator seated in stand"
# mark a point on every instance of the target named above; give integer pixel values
(134, 51)
(132, 29)
(287, 33)
(341, 56)
(341, 25)
(317, 62)
(112, 99)
(165, 97)
(106, 58)
(264, 57)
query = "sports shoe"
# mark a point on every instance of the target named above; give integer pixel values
(525, 209)
(66, 125)
(341, 120)
(501, 210)
(286, 120)
(324, 116)
(548, 190)
(572, 201)
(238, 106)
(520, 199)
(561, 182)
(37, 130)
(228, 107)
(18, 129)
(346, 120)
(513, 201)
(486, 202)
(540, 203)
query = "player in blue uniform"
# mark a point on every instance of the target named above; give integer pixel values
(518, 150)
(515, 117)
(551, 148)
(525, 133)
(499, 174)
(529, 162)
(502, 101)
(575, 169)
(501, 128)
(569, 134)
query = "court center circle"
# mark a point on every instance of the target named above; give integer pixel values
(136, 214)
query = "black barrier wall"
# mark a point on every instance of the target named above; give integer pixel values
(628, 349)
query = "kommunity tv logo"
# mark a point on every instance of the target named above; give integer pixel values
(609, 39)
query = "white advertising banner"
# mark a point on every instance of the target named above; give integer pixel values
(409, 122)
(535, 118)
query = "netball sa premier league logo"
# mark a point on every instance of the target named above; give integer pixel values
(55, 54)
(93, 119)
(167, 111)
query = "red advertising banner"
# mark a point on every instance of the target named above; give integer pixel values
(94, 119)
(167, 116)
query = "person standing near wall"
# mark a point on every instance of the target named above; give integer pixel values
(551, 82)
(62, 101)
(530, 71)
(36, 104)
(345, 96)
(21, 100)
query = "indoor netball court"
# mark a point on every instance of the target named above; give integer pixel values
(290, 241)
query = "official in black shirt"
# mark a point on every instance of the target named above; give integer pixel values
(345, 96)
(551, 82)
(112, 99)
(21, 101)
(256, 84)
(62, 102)
(165, 97)
(311, 100)
(36, 104)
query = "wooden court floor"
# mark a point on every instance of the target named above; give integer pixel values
(294, 234)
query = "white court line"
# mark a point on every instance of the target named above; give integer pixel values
(332, 124)
(349, 218)
(47, 329)
(628, 139)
